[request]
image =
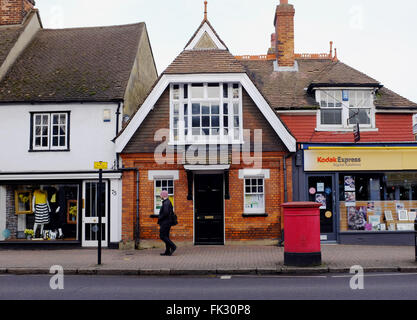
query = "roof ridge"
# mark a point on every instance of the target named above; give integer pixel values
(96, 27)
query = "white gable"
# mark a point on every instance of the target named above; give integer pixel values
(288, 140)
(204, 32)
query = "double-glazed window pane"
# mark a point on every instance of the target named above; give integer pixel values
(59, 129)
(254, 194)
(50, 131)
(208, 109)
(206, 119)
(342, 107)
(213, 90)
(329, 116)
(41, 131)
(360, 102)
(197, 91)
(163, 185)
(331, 107)
(361, 116)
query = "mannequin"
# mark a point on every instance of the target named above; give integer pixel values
(56, 211)
(41, 209)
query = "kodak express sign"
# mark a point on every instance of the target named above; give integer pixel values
(360, 159)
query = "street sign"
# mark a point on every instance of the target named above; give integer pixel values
(101, 165)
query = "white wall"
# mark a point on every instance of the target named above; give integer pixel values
(2, 211)
(90, 138)
(115, 211)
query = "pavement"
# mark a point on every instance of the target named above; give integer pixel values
(196, 260)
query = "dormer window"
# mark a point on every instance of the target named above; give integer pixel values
(343, 109)
(206, 113)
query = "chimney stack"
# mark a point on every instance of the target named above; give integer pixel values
(284, 29)
(14, 11)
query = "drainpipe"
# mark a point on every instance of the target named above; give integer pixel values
(286, 177)
(118, 118)
(280, 244)
(137, 229)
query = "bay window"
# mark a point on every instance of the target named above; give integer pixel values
(206, 113)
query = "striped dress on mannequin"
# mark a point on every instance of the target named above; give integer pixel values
(41, 214)
(41, 207)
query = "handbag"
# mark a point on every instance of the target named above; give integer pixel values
(174, 219)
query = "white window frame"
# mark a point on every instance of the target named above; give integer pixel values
(344, 126)
(220, 100)
(157, 194)
(50, 134)
(254, 174)
(155, 175)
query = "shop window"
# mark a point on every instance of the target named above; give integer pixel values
(162, 185)
(206, 113)
(378, 202)
(254, 195)
(50, 131)
(44, 212)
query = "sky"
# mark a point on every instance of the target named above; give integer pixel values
(376, 37)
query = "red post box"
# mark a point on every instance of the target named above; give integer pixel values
(302, 234)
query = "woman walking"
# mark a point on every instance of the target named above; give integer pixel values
(166, 214)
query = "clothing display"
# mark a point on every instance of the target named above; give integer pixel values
(52, 212)
(41, 207)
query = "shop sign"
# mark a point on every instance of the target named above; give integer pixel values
(101, 165)
(360, 159)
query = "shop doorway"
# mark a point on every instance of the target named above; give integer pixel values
(209, 209)
(321, 189)
(90, 214)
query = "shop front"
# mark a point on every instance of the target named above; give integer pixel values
(58, 210)
(368, 193)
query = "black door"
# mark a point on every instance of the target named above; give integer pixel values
(209, 210)
(321, 190)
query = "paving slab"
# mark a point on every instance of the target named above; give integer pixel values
(203, 260)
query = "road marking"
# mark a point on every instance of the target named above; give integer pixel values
(225, 277)
(379, 275)
(278, 276)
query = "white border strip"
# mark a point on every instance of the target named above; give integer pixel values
(59, 176)
(163, 174)
(243, 78)
(199, 35)
(265, 173)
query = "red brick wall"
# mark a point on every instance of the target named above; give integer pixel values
(13, 11)
(284, 27)
(236, 226)
(391, 128)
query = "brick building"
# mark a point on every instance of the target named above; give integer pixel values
(223, 148)
(299, 105)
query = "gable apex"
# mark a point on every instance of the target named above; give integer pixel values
(205, 38)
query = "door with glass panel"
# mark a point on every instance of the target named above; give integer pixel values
(321, 189)
(90, 221)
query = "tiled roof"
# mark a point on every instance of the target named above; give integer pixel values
(8, 37)
(340, 73)
(288, 90)
(205, 61)
(82, 64)
(285, 89)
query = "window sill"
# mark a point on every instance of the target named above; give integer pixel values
(341, 129)
(252, 215)
(65, 150)
(202, 143)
